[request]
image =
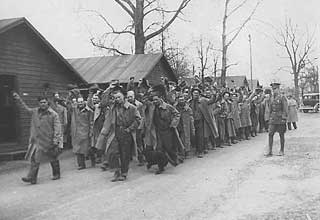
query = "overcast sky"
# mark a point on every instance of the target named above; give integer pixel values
(69, 28)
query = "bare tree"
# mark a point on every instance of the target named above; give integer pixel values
(297, 49)
(138, 11)
(203, 50)
(309, 79)
(229, 37)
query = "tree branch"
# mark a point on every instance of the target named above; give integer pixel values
(237, 8)
(243, 24)
(183, 4)
(101, 46)
(113, 31)
(131, 13)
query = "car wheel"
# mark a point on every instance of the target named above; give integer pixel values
(305, 111)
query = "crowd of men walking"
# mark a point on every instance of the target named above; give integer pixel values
(155, 125)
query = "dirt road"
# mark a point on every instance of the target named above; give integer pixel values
(232, 183)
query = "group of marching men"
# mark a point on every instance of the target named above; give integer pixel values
(154, 125)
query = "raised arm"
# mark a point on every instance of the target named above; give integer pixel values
(17, 97)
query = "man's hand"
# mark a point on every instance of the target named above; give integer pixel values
(16, 96)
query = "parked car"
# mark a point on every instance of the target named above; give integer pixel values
(310, 102)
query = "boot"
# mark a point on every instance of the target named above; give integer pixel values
(93, 160)
(33, 173)
(81, 161)
(55, 169)
(116, 176)
(99, 156)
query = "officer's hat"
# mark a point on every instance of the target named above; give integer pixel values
(275, 85)
(196, 88)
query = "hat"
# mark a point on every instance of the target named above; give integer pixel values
(196, 89)
(267, 91)
(159, 90)
(120, 89)
(275, 85)
(226, 92)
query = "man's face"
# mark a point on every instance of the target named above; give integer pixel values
(43, 104)
(156, 100)
(276, 90)
(95, 99)
(132, 80)
(81, 103)
(226, 96)
(118, 98)
(181, 99)
(130, 97)
(171, 87)
(196, 94)
(208, 93)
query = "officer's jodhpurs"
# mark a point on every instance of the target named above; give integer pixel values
(281, 129)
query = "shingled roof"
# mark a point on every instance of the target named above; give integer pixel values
(106, 68)
(7, 24)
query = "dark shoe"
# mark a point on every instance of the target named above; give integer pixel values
(81, 168)
(55, 169)
(205, 152)
(281, 153)
(234, 142)
(199, 156)
(122, 178)
(140, 164)
(158, 172)
(268, 155)
(26, 179)
(98, 161)
(116, 176)
(104, 167)
(29, 180)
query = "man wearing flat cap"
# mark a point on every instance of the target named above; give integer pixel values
(278, 118)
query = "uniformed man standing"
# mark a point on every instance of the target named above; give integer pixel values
(278, 118)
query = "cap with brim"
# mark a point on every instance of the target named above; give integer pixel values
(196, 89)
(226, 92)
(275, 85)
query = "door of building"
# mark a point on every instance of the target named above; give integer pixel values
(8, 113)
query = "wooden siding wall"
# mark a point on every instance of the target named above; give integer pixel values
(160, 70)
(24, 55)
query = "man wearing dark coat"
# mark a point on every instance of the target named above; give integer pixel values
(278, 118)
(45, 143)
(118, 133)
(161, 121)
(203, 120)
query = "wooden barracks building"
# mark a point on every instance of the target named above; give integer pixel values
(30, 66)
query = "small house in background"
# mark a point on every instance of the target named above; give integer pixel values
(235, 81)
(30, 66)
(255, 84)
(102, 70)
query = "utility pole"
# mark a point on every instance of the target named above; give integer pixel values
(250, 62)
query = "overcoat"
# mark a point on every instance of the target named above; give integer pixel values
(236, 115)
(45, 134)
(245, 114)
(63, 116)
(292, 110)
(107, 133)
(186, 124)
(151, 137)
(81, 129)
(205, 106)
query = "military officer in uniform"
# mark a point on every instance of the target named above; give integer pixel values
(278, 118)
